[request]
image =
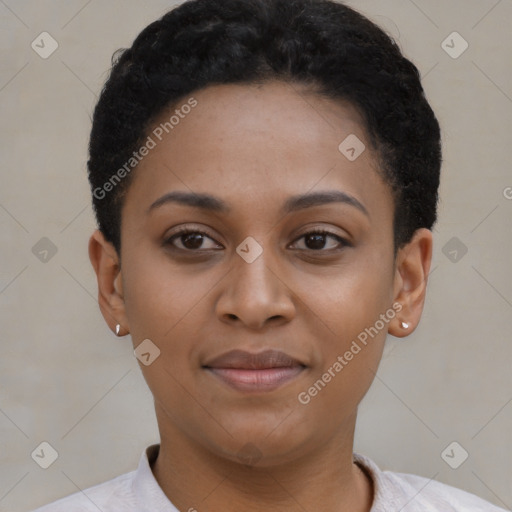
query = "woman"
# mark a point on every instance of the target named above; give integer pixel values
(265, 178)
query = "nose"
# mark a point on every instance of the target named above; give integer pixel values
(255, 295)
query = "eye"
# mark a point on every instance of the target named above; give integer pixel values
(191, 240)
(316, 240)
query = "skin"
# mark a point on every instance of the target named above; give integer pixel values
(254, 146)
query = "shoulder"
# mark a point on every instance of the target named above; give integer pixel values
(413, 493)
(439, 496)
(110, 496)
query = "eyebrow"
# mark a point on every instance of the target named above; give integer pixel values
(295, 203)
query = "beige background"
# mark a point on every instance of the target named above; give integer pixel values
(67, 380)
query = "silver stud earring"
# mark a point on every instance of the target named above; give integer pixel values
(118, 329)
(405, 325)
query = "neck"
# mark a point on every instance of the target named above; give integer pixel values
(194, 478)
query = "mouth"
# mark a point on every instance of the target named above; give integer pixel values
(248, 372)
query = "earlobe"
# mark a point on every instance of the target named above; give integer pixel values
(411, 274)
(105, 262)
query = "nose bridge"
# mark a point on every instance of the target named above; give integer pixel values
(252, 275)
(254, 291)
(252, 266)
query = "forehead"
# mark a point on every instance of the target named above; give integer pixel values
(255, 145)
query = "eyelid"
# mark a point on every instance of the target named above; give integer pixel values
(325, 232)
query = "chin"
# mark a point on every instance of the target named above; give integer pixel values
(271, 444)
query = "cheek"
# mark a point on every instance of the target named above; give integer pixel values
(356, 308)
(350, 298)
(160, 296)
(348, 356)
(169, 306)
(163, 306)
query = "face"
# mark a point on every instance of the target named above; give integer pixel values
(289, 264)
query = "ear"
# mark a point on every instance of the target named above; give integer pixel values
(412, 267)
(105, 260)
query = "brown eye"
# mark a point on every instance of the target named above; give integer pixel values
(317, 241)
(190, 240)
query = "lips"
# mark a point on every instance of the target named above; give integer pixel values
(247, 361)
(249, 372)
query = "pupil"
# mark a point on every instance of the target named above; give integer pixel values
(318, 241)
(197, 240)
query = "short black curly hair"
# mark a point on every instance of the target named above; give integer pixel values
(322, 43)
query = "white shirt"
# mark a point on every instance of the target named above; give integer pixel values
(138, 491)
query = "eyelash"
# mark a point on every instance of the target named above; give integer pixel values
(187, 231)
